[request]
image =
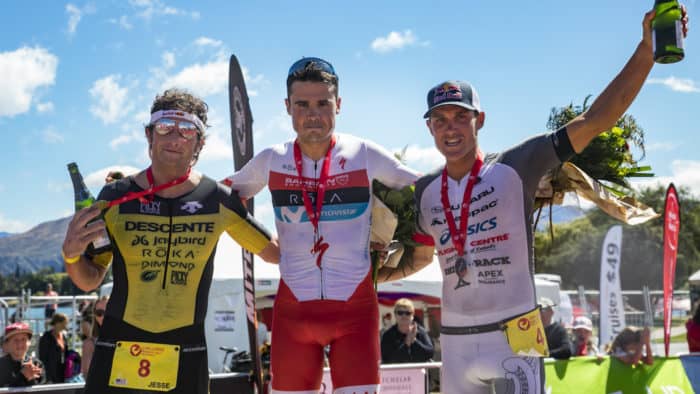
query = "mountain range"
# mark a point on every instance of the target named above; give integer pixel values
(35, 249)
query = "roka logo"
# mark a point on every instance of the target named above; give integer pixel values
(239, 118)
(524, 324)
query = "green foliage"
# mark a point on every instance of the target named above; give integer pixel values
(608, 157)
(575, 251)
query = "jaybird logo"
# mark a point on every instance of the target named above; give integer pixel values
(191, 206)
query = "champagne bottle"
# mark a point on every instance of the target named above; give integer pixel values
(84, 199)
(667, 32)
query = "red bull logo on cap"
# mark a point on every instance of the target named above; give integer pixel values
(447, 91)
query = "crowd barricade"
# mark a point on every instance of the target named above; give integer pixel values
(220, 383)
(591, 375)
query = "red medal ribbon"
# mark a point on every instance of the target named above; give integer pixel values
(147, 195)
(314, 216)
(460, 238)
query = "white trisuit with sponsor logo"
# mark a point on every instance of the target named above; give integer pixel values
(497, 282)
(324, 298)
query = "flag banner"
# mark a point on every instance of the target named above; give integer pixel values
(612, 310)
(672, 227)
(242, 144)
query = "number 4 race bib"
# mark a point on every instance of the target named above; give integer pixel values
(145, 366)
(525, 334)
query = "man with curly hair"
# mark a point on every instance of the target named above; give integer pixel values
(164, 224)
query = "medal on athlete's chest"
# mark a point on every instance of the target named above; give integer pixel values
(464, 268)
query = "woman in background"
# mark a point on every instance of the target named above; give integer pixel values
(98, 314)
(628, 345)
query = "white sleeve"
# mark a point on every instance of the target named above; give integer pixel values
(385, 168)
(252, 178)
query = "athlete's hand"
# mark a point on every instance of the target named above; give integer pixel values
(412, 332)
(79, 235)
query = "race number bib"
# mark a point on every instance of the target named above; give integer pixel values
(145, 366)
(525, 334)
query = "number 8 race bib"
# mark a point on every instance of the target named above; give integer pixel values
(145, 366)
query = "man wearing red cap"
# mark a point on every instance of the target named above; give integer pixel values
(17, 369)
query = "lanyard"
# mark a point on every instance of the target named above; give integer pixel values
(460, 238)
(314, 216)
(146, 195)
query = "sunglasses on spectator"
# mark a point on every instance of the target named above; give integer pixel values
(99, 312)
(304, 61)
(165, 126)
(403, 313)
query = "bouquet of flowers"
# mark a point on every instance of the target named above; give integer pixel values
(393, 225)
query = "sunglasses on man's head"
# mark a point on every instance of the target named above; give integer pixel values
(304, 61)
(403, 313)
(165, 126)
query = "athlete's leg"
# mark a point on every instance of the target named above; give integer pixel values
(296, 357)
(355, 356)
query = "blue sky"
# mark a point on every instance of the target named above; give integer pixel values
(78, 79)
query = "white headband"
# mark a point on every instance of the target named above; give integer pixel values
(178, 115)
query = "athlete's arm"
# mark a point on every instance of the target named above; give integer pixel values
(619, 94)
(86, 274)
(422, 256)
(271, 252)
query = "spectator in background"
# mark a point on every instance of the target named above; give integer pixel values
(628, 345)
(53, 349)
(583, 340)
(406, 341)
(98, 314)
(692, 327)
(557, 337)
(17, 369)
(52, 305)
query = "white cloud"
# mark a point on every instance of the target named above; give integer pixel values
(206, 41)
(168, 60)
(122, 22)
(395, 40)
(24, 71)
(12, 226)
(44, 107)
(147, 9)
(218, 143)
(75, 14)
(201, 79)
(422, 159)
(684, 173)
(110, 101)
(95, 180)
(676, 84)
(51, 136)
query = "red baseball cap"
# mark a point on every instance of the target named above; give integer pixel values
(17, 328)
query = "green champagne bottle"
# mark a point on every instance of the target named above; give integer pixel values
(667, 32)
(84, 199)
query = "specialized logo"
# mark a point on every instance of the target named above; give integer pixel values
(341, 163)
(150, 208)
(192, 206)
(289, 167)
